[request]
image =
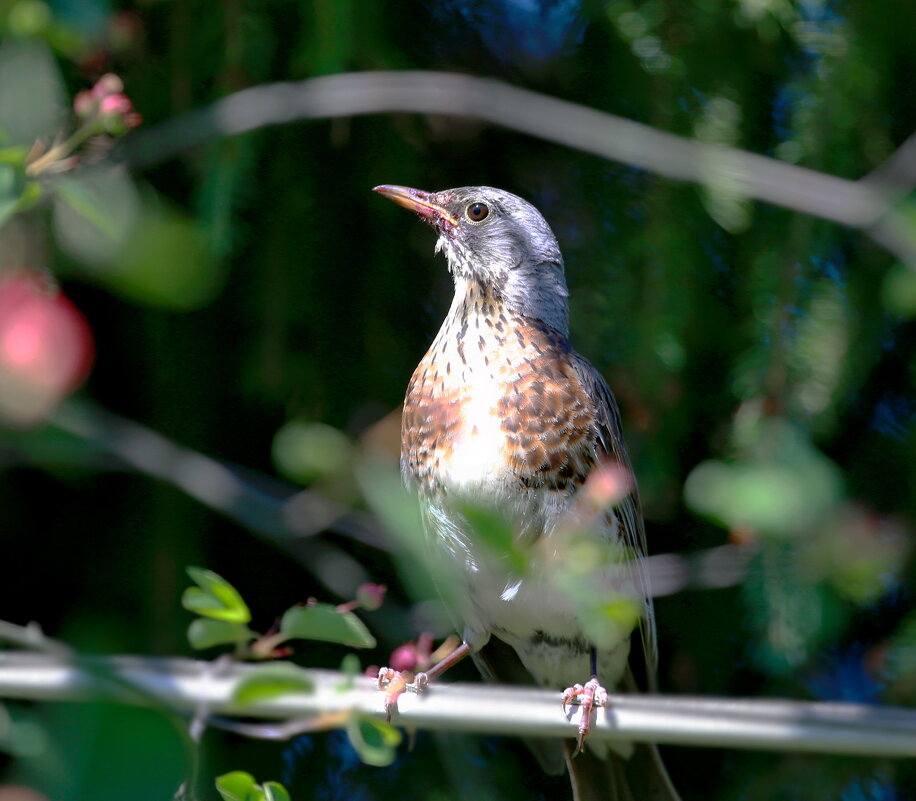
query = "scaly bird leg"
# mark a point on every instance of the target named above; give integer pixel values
(588, 696)
(393, 683)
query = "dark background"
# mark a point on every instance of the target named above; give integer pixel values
(280, 289)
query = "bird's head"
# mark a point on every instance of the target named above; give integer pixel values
(495, 239)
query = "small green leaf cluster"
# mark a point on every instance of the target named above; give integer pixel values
(241, 786)
(224, 617)
(223, 620)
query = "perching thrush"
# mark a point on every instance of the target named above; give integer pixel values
(502, 413)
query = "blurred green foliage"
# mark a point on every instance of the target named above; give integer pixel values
(252, 300)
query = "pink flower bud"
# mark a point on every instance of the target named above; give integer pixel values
(404, 657)
(371, 596)
(108, 84)
(115, 104)
(84, 104)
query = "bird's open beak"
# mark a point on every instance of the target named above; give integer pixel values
(419, 201)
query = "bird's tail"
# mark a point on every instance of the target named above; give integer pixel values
(642, 777)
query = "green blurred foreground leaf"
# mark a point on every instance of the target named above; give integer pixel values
(306, 451)
(374, 740)
(205, 632)
(271, 681)
(241, 786)
(214, 597)
(323, 622)
(781, 485)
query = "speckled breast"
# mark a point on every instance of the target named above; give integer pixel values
(496, 406)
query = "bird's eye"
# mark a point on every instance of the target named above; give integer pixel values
(477, 212)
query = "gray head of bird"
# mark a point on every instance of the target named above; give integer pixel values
(497, 240)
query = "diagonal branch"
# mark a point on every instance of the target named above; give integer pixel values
(860, 204)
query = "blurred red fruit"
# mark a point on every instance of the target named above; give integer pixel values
(45, 348)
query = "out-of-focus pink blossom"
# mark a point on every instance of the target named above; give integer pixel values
(46, 347)
(608, 484)
(108, 84)
(115, 104)
(405, 657)
(106, 101)
(371, 596)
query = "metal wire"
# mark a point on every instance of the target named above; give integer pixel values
(191, 686)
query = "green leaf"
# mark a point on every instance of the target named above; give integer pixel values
(214, 597)
(13, 155)
(165, 261)
(306, 451)
(899, 290)
(374, 740)
(32, 192)
(205, 633)
(94, 212)
(12, 183)
(237, 786)
(323, 622)
(270, 681)
(350, 666)
(496, 532)
(34, 95)
(274, 791)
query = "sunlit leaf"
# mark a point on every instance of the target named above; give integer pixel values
(496, 532)
(323, 622)
(164, 261)
(13, 155)
(274, 791)
(205, 632)
(214, 597)
(271, 681)
(351, 668)
(374, 740)
(306, 451)
(608, 623)
(237, 786)
(899, 290)
(780, 487)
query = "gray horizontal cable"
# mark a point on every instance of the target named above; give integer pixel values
(197, 688)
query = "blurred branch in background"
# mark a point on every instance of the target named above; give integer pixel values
(866, 204)
(836, 728)
(258, 502)
(277, 510)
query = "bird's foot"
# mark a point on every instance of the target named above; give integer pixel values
(588, 696)
(394, 683)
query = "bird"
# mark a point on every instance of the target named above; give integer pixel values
(501, 413)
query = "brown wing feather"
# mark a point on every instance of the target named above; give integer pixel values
(633, 533)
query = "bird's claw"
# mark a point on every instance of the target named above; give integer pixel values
(588, 696)
(394, 683)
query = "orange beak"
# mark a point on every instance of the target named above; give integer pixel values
(419, 201)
